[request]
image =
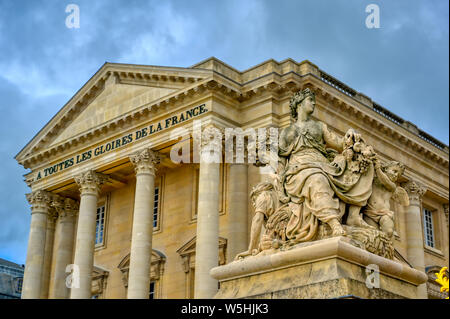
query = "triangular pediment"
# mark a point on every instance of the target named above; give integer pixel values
(114, 101)
(190, 245)
(114, 90)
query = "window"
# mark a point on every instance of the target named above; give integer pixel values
(100, 226)
(428, 228)
(156, 272)
(152, 290)
(187, 253)
(19, 285)
(156, 208)
(158, 203)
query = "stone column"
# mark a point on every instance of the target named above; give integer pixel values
(237, 210)
(414, 231)
(89, 182)
(141, 237)
(64, 241)
(32, 281)
(49, 239)
(207, 241)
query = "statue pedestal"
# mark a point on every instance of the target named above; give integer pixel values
(328, 268)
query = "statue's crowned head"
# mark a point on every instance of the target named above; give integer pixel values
(298, 98)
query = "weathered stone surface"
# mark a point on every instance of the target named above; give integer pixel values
(329, 268)
(123, 99)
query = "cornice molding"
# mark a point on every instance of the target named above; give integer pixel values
(128, 74)
(201, 81)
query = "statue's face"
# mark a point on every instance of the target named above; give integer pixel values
(308, 104)
(393, 173)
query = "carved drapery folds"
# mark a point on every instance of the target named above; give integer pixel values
(327, 185)
(145, 161)
(415, 191)
(90, 182)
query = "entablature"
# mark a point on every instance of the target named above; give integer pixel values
(269, 80)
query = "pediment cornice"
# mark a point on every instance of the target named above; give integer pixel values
(110, 72)
(194, 82)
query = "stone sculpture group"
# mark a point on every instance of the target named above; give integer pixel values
(324, 186)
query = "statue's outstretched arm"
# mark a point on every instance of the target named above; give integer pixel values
(255, 232)
(390, 186)
(331, 139)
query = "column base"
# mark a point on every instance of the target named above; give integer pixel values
(329, 268)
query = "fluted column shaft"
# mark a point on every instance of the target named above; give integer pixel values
(238, 209)
(142, 232)
(414, 237)
(207, 241)
(89, 183)
(32, 281)
(49, 239)
(64, 243)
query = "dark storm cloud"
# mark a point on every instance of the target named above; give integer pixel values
(402, 66)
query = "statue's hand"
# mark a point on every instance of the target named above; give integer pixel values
(266, 242)
(243, 255)
(377, 162)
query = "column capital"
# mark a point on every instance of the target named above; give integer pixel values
(90, 181)
(209, 144)
(415, 191)
(40, 201)
(52, 215)
(240, 147)
(211, 138)
(66, 207)
(145, 161)
(57, 203)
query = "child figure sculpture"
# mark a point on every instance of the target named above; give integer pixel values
(378, 212)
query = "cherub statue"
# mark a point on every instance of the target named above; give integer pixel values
(378, 212)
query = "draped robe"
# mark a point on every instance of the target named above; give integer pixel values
(312, 183)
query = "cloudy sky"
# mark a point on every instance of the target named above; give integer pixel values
(403, 65)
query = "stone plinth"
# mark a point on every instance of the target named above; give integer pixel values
(329, 268)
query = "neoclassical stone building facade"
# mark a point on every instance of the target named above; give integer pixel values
(113, 215)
